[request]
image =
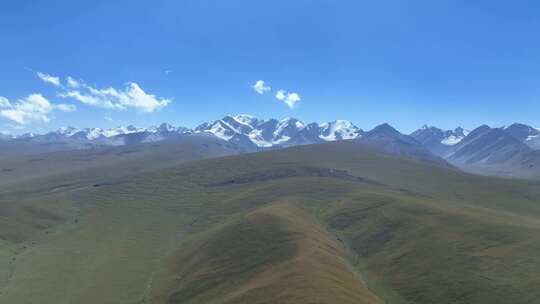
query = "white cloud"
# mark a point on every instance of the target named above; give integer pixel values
(4, 102)
(289, 98)
(142, 101)
(34, 108)
(261, 87)
(131, 96)
(49, 79)
(90, 100)
(66, 107)
(72, 83)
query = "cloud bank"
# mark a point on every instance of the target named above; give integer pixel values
(131, 96)
(33, 108)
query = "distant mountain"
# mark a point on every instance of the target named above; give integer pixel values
(497, 151)
(246, 132)
(90, 137)
(533, 142)
(526, 134)
(505, 151)
(488, 146)
(521, 132)
(439, 141)
(249, 131)
(388, 139)
(4, 137)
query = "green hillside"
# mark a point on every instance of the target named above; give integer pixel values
(330, 223)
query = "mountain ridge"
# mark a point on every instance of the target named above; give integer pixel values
(505, 151)
(266, 133)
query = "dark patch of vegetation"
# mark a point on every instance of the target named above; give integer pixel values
(291, 172)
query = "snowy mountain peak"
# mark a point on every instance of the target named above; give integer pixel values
(454, 137)
(434, 137)
(338, 130)
(67, 131)
(289, 121)
(286, 129)
(164, 127)
(244, 119)
(286, 132)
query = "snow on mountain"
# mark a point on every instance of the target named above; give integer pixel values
(286, 129)
(166, 128)
(524, 133)
(256, 137)
(489, 146)
(241, 129)
(452, 138)
(222, 130)
(339, 129)
(67, 131)
(249, 133)
(245, 119)
(532, 138)
(433, 137)
(533, 141)
(252, 132)
(274, 133)
(93, 134)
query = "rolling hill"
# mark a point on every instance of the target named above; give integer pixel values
(97, 163)
(338, 222)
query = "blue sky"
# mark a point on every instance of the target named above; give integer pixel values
(409, 63)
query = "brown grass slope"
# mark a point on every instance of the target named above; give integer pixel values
(275, 254)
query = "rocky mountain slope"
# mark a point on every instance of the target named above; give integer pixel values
(507, 151)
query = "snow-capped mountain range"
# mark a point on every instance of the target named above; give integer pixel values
(515, 147)
(260, 133)
(97, 133)
(252, 134)
(250, 131)
(244, 130)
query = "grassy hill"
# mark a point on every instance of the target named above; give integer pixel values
(329, 223)
(109, 162)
